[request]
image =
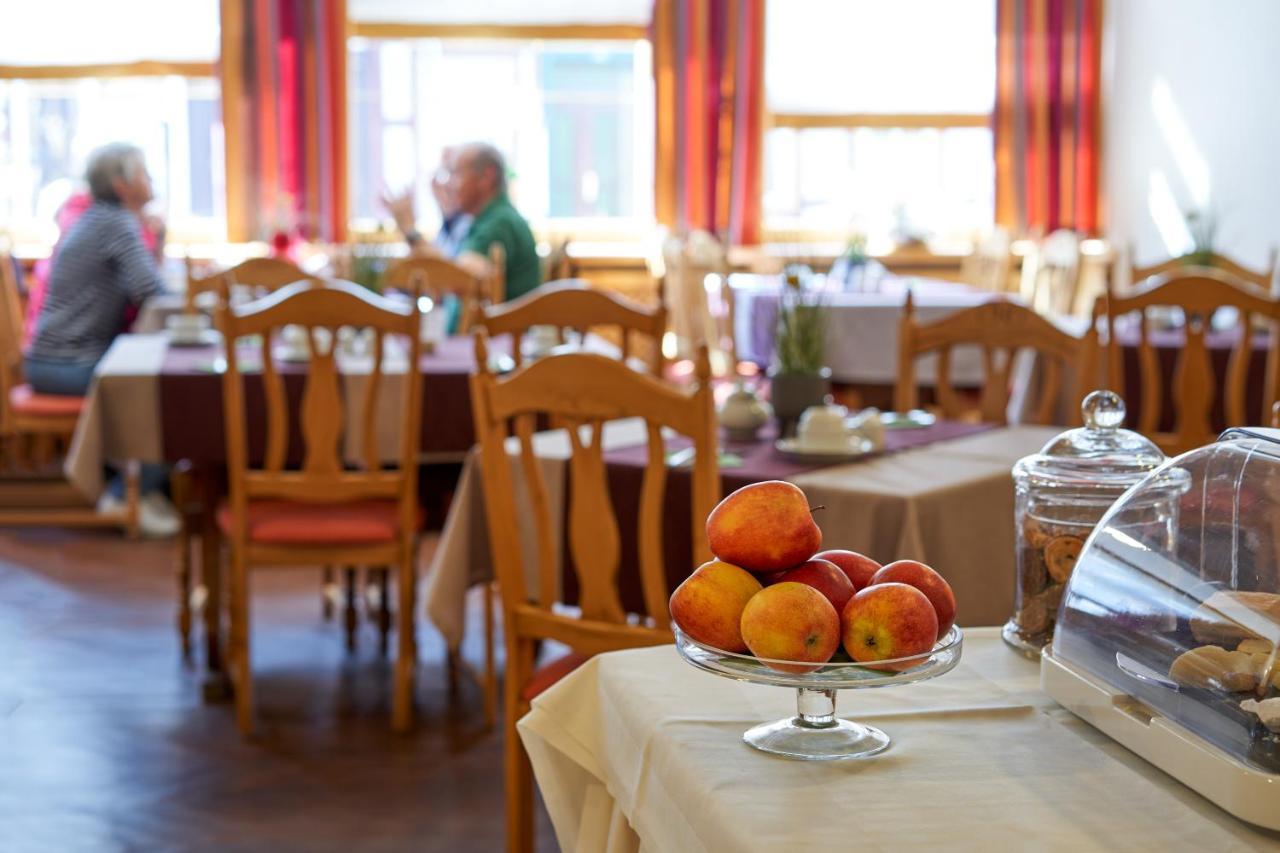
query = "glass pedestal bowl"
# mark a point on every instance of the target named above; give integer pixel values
(815, 733)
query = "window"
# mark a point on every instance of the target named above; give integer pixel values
(574, 119)
(78, 74)
(49, 127)
(879, 117)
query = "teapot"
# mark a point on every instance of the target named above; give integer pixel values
(743, 413)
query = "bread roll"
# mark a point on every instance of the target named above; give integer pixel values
(1226, 618)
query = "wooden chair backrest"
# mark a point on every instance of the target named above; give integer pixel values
(575, 304)
(583, 391)
(987, 267)
(436, 277)
(686, 264)
(11, 329)
(1001, 328)
(1051, 274)
(323, 476)
(1198, 294)
(1265, 281)
(269, 274)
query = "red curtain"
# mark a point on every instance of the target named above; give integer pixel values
(1047, 107)
(290, 119)
(707, 67)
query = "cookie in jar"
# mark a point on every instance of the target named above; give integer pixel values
(1061, 493)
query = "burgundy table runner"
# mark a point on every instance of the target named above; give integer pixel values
(760, 462)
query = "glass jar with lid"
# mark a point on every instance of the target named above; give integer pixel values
(1060, 495)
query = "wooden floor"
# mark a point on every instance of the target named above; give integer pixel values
(105, 743)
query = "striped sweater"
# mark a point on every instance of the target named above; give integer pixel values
(101, 269)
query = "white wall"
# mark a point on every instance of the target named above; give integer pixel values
(1191, 119)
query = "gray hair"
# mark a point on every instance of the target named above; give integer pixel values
(487, 155)
(112, 162)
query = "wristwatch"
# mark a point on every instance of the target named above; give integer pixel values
(413, 236)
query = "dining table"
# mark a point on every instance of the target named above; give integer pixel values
(639, 751)
(941, 494)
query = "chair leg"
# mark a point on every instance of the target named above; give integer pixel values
(327, 589)
(517, 770)
(132, 497)
(406, 642)
(239, 645)
(490, 664)
(350, 617)
(383, 576)
(181, 497)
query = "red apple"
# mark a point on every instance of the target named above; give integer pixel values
(928, 581)
(886, 621)
(764, 527)
(708, 605)
(825, 578)
(791, 622)
(770, 578)
(857, 567)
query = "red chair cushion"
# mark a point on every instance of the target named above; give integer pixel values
(551, 672)
(291, 523)
(24, 401)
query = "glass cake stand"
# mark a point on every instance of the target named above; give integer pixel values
(815, 733)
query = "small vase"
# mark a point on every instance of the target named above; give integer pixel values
(792, 393)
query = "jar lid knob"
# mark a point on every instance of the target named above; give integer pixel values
(1102, 410)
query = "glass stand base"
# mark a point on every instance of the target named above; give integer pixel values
(839, 739)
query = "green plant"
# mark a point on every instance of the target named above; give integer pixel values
(1203, 227)
(801, 339)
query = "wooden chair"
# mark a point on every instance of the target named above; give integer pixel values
(1266, 281)
(269, 274)
(321, 513)
(686, 265)
(1197, 294)
(575, 304)
(570, 304)
(47, 422)
(585, 391)
(987, 267)
(437, 276)
(1002, 329)
(1051, 275)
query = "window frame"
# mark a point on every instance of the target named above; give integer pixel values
(770, 233)
(189, 71)
(577, 228)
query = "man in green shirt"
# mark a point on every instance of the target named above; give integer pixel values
(478, 183)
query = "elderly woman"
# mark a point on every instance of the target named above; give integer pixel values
(101, 270)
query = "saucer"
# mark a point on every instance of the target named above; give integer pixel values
(914, 419)
(293, 356)
(794, 450)
(201, 338)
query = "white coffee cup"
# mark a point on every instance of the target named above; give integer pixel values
(823, 428)
(186, 326)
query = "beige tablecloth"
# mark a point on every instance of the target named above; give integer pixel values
(639, 751)
(949, 504)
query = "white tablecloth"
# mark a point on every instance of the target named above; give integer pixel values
(949, 504)
(639, 751)
(862, 328)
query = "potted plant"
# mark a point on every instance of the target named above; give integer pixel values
(798, 378)
(1203, 226)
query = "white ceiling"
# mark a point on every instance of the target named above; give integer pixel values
(501, 11)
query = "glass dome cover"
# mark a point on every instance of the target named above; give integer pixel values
(1168, 630)
(1098, 455)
